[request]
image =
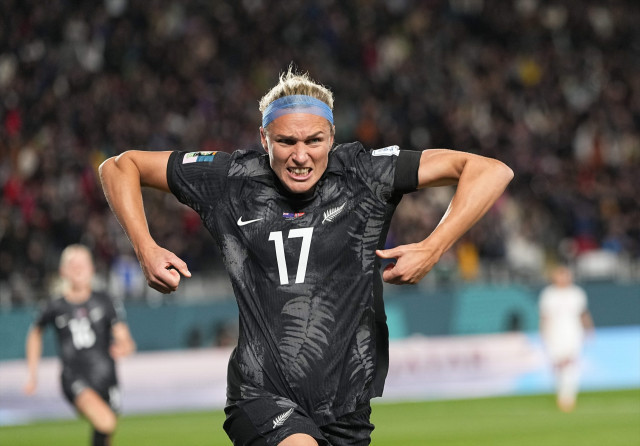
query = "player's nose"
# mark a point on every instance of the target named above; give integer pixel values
(300, 154)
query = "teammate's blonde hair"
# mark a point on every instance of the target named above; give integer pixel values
(292, 83)
(71, 250)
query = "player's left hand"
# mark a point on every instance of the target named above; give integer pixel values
(413, 262)
(30, 386)
(119, 350)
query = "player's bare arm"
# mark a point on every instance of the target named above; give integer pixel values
(480, 181)
(123, 343)
(122, 179)
(587, 323)
(33, 348)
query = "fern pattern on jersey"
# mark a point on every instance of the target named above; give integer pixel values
(252, 363)
(305, 333)
(235, 254)
(361, 362)
(368, 210)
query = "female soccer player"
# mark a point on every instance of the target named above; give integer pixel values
(91, 333)
(301, 229)
(564, 322)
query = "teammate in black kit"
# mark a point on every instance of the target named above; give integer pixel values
(91, 333)
(301, 230)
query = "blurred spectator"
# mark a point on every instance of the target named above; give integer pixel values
(551, 89)
(468, 259)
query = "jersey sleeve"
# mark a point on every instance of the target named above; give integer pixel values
(46, 315)
(543, 303)
(390, 172)
(197, 178)
(582, 300)
(117, 311)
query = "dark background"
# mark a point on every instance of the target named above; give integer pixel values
(550, 88)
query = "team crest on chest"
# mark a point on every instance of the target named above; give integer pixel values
(96, 314)
(330, 214)
(61, 321)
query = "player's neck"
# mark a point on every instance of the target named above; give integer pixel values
(77, 294)
(296, 197)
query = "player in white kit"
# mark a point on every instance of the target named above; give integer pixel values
(564, 321)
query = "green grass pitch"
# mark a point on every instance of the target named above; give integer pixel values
(601, 418)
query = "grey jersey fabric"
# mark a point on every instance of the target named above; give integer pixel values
(303, 269)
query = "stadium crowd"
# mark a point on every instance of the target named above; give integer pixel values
(550, 88)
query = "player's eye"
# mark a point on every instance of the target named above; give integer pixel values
(287, 141)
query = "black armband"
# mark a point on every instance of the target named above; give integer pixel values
(406, 177)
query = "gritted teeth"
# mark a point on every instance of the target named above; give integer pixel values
(300, 170)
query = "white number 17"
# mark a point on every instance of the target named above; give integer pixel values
(276, 237)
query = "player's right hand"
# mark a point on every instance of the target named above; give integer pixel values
(162, 268)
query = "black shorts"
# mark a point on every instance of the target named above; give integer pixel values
(73, 384)
(268, 421)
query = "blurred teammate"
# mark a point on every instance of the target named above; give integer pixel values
(299, 229)
(564, 318)
(91, 333)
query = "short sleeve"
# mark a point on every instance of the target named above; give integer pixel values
(406, 174)
(390, 172)
(582, 300)
(117, 311)
(543, 303)
(197, 178)
(46, 315)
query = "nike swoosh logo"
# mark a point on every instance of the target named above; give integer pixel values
(242, 223)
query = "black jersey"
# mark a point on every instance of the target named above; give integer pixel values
(84, 335)
(303, 269)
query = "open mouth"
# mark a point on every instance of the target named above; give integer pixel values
(299, 172)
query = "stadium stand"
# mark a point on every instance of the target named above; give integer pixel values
(552, 89)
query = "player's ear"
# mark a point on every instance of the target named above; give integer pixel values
(263, 139)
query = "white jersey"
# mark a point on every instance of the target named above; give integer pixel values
(562, 309)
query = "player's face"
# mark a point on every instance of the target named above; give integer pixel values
(562, 277)
(78, 269)
(298, 145)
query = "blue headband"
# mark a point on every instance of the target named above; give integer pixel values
(297, 103)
